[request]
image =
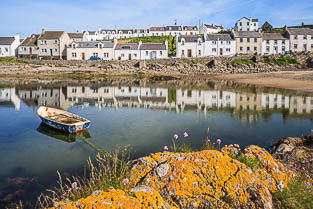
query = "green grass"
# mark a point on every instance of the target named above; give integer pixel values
(282, 60)
(298, 195)
(11, 60)
(253, 163)
(243, 61)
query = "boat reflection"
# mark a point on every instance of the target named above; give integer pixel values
(66, 137)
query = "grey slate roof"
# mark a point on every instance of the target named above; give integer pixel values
(273, 36)
(94, 44)
(191, 38)
(247, 34)
(92, 32)
(153, 46)
(300, 31)
(51, 35)
(190, 27)
(157, 28)
(31, 40)
(6, 40)
(173, 28)
(213, 26)
(221, 37)
(130, 46)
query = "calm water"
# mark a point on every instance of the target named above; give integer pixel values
(143, 114)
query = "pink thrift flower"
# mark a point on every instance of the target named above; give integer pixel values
(246, 155)
(218, 141)
(262, 152)
(165, 148)
(175, 136)
(209, 140)
(185, 134)
(125, 181)
(312, 131)
(74, 184)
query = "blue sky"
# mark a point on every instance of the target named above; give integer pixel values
(30, 16)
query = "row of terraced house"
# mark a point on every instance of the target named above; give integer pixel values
(191, 41)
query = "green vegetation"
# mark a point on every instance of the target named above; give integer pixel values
(277, 30)
(282, 60)
(297, 195)
(11, 60)
(243, 61)
(158, 39)
(253, 163)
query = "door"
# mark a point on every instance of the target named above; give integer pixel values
(153, 55)
(30, 51)
(221, 52)
(83, 56)
(189, 53)
(129, 56)
(50, 52)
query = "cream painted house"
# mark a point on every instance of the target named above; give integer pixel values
(29, 48)
(52, 44)
(84, 50)
(248, 42)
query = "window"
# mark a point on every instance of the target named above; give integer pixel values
(161, 53)
(43, 50)
(248, 48)
(6, 49)
(56, 50)
(199, 53)
(147, 53)
(241, 39)
(214, 42)
(296, 37)
(255, 48)
(24, 49)
(213, 49)
(311, 46)
(228, 42)
(255, 40)
(283, 42)
(199, 42)
(283, 48)
(248, 39)
(248, 23)
(122, 55)
(275, 42)
(304, 46)
(106, 55)
(183, 52)
(241, 48)
(240, 23)
(95, 54)
(105, 90)
(182, 42)
(304, 37)
(267, 42)
(267, 49)
(74, 54)
(55, 41)
(43, 42)
(221, 42)
(135, 55)
(254, 24)
(227, 49)
(295, 46)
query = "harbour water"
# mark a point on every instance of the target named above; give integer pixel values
(142, 113)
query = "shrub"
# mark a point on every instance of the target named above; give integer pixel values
(297, 195)
(243, 61)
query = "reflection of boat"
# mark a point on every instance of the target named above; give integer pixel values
(62, 120)
(67, 137)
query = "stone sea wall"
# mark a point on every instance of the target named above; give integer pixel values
(204, 179)
(207, 65)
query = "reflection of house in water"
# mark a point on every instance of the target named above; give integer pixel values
(248, 106)
(8, 98)
(39, 97)
(197, 99)
(275, 101)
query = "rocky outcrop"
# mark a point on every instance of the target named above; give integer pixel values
(205, 179)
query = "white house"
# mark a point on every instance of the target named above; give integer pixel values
(83, 50)
(220, 45)
(127, 51)
(157, 31)
(190, 30)
(207, 29)
(77, 36)
(301, 39)
(153, 51)
(274, 43)
(246, 24)
(8, 97)
(190, 46)
(8, 46)
(181, 30)
(92, 35)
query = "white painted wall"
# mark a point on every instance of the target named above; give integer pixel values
(275, 47)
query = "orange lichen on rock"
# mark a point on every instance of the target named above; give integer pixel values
(205, 179)
(139, 197)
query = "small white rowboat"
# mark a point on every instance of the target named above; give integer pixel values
(62, 120)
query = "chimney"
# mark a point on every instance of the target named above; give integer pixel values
(17, 37)
(43, 31)
(285, 27)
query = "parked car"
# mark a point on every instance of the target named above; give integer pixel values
(95, 58)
